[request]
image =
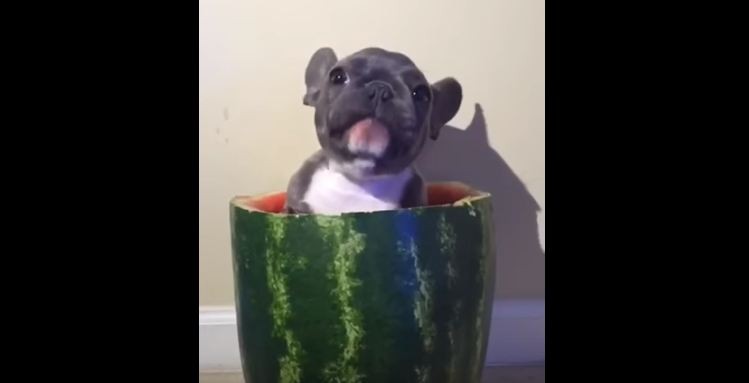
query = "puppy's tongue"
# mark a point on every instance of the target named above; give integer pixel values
(368, 136)
(368, 126)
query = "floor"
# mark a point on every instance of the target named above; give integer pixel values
(491, 375)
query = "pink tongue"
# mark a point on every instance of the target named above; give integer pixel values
(368, 131)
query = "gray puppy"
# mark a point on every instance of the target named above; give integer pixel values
(373, 112)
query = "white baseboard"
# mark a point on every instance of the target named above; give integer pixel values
(516, 337)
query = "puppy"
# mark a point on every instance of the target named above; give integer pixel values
(373, 112)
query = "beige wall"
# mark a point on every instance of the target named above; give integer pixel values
(254, 130)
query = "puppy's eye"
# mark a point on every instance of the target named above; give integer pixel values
(338, 76)
(421, 93)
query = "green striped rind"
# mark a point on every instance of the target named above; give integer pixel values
(278, 261)
(348, 244)
(397, 296)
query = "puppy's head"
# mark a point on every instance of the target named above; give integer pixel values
(374, 109)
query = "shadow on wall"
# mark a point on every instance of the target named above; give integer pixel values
(466, 156)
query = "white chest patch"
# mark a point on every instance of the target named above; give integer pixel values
(330, 192)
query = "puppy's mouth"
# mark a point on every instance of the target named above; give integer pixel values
(368, 137)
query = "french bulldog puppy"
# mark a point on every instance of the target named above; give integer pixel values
(373, 113)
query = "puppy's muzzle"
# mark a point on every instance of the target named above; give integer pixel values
(379, 91)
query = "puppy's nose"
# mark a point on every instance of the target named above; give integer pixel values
(378, 90)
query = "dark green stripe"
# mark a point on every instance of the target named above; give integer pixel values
(252, 298)
(391, 343)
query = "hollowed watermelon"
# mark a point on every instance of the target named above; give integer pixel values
(383, 297)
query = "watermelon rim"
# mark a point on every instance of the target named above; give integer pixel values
(439, 194)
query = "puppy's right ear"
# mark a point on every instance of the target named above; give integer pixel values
(447, 96)
(317, 71)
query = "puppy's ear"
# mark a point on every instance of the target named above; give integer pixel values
(317, 70)
(447, 94)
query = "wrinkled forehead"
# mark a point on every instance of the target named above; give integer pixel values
(375, 63)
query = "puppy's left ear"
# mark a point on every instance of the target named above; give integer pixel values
(447, 94)
(321, 62)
